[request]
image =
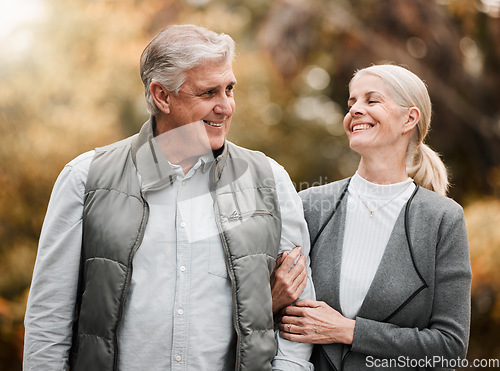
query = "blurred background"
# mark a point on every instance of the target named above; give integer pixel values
(69, 82)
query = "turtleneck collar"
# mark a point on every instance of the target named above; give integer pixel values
(367, 189)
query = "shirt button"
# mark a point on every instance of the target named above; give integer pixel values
(184, 182)
(182, 268)
(180, 311)
(183, 225)
(178, 358)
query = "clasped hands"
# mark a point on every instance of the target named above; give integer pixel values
(308, 321)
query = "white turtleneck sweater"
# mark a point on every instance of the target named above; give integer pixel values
(366, 236)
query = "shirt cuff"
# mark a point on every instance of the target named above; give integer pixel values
(281, 363)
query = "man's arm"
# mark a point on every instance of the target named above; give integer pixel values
(292, 356)
(51, 302)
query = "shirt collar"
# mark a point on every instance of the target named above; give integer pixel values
(153, 168)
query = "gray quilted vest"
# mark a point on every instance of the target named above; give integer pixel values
(114, 220)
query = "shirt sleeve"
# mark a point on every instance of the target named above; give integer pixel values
(292, 356)
(51, 302)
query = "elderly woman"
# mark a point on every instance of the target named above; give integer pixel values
(389, 252)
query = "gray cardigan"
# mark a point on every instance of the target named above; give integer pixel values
(418, 306)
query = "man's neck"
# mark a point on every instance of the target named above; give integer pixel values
(182, 145)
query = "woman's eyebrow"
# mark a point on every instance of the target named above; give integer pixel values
(372, 92)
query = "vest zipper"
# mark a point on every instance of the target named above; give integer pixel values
(229, 268)
(128, 279)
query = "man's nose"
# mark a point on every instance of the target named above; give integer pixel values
(223, 105)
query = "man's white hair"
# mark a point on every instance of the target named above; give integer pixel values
(177, 49)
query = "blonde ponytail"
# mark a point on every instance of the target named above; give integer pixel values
(427, 169)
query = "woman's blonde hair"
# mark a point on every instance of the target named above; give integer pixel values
(422, 163)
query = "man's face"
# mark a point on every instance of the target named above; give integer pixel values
(206, 96)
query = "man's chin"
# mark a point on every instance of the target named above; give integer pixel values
(217, 144)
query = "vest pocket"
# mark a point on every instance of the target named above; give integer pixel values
(217, 259)
(235, 216)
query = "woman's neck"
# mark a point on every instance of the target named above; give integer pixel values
(388, 171)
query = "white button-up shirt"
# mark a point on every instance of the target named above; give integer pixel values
(178, 313)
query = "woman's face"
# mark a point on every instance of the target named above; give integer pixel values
(374, 122)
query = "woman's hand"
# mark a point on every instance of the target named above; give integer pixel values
(315, 322)
(287, 283)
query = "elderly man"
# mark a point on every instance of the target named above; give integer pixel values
(156, 252)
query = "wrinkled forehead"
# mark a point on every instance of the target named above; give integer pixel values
(385, 85)
(210, 75)
(366, 77)
(368, 83)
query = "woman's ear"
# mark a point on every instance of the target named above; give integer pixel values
(413, 117)
(160, 96)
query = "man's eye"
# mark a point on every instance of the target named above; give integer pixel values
(372, 101)
(208, 93)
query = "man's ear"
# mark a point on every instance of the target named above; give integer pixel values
(160, 96)
(413, 119)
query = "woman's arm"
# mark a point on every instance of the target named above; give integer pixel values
(315, 322)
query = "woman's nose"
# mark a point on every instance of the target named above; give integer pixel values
(356, 109)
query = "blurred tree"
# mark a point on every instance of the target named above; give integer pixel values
(483, 219)
(342, 36)
(75, 88)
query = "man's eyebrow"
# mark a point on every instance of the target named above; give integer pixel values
(203, 89)
(214, 87)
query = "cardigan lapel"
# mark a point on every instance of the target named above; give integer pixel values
(396, 281)
(394, 285)
(327, 256)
